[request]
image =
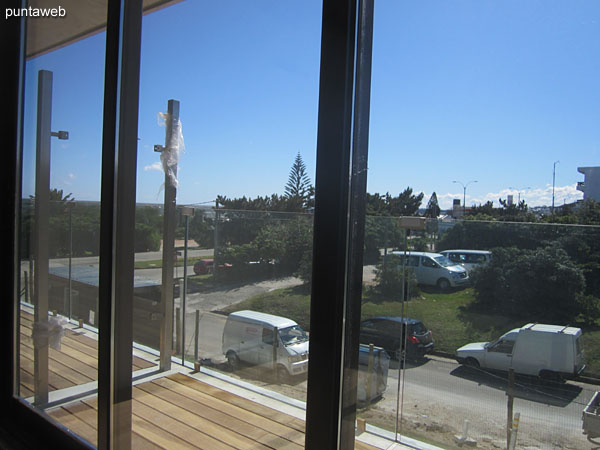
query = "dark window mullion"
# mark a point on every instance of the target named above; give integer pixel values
(117, 222)
(330, 245)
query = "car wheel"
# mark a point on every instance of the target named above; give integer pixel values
(443, 284)
(283, 375)
(233, 361)
(472, 362)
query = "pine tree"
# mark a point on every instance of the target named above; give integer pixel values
(298, 187)
(433, 207)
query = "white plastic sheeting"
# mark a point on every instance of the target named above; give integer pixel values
(50, 332)
(169, 157)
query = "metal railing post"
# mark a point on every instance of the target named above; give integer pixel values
(167, 300)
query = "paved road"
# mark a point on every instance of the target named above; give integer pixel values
(443, 393)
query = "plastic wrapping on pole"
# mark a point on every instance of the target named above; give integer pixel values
(169, 157)
(48, 333)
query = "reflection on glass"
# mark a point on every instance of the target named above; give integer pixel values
(458, 388)
(59, 235)
(227, 241)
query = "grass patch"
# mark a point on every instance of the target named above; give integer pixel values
(293, 303)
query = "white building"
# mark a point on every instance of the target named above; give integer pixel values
(591, 184)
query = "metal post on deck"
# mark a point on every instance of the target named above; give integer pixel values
(40, 245)
(42, 199)
(167, 301)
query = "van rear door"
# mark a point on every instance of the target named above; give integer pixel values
(579, 355)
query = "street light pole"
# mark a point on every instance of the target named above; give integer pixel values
(464, 192)
(519, 192)
(553, 180)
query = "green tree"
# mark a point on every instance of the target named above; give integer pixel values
(389, 279)
(298, 189)
(202, 229)
(433, 208)
(148, 229)
(536, 285)
(384, 232)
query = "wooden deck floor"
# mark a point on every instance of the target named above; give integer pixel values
(173, 412)
(181, 412)
(76, 362)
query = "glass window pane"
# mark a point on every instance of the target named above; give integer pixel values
(58, 309)
(483, 121)
(224, 214)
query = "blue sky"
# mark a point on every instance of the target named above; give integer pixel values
(493, 91)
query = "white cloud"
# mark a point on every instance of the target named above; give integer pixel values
(155, 166)
(533, 197)
(70, 178)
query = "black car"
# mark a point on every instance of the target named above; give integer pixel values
(387, 332)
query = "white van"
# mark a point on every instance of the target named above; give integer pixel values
(548, 351)
(434, 269)
(469, 259)
(264, 339)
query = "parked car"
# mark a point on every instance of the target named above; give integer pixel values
(204, 266)
(387, 332)
(548, 351)
(469, 259)
(434, 269)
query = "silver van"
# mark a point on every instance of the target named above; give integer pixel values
(264, 339)
(469, 259)
(434, 269)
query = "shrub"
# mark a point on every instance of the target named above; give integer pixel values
(543, 284)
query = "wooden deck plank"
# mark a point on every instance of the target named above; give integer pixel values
(218, 417)
(138, 363)
(26, 383)
(173, 427)
(73, 422)
(256, 420)
(69, 368)
(244, 403)
(144, 434)
(87, 359)
(158, 437)
(176, 410)
(88, 413)
(169, 413)
(75, 339)
(55, 380)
